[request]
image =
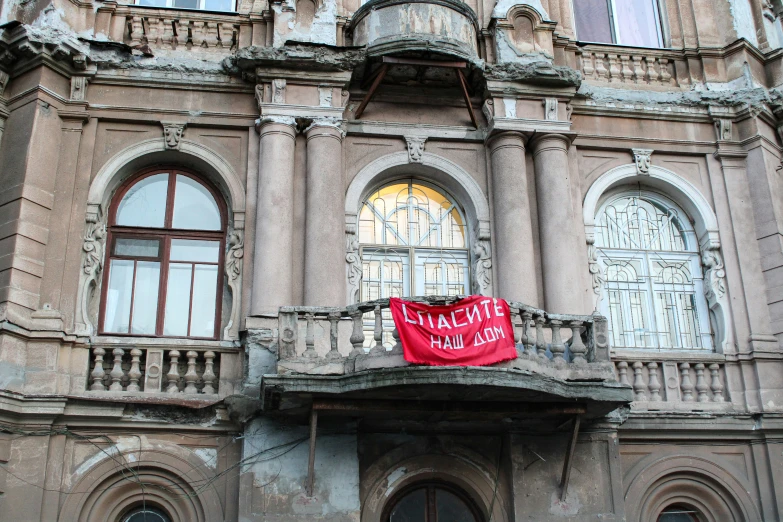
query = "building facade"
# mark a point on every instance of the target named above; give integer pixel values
(206, 205)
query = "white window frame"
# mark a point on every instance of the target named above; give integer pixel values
(613, 23)
(201, 4)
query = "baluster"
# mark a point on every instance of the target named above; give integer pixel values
(600, 67)
(334, 353)
(135, 373)
(191, 376)
(614, 69)
(626, 72)
(167, 39)
(98, 373)
(701, 384)
(557, 347)
(173, 375)
(209, 373)
(378, 349)
(716, 385)
(578, 348)
(357, 337)
(518, 335)
(116, 372)
(530, 347)
(622, 373)
(639, 388)
(653, 383)
(651, 76)
(136, 30)
(310, 352)
(587, 65)
(685, 382)
(153, 25)
(638, 73)
(540, 342)
(665, 75)
(397, 350)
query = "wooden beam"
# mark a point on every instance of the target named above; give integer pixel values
(430, 63)
(371, 92)
(311, 461)
(464, 83)
(569, 459)
(354, 406)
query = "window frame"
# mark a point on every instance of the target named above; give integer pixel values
(690, 256)
(200, 9)
(165, 235)
(430, 486)
(613, 22)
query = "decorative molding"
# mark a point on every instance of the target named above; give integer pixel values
(172, 133)
(3, 81)
(550, 109)
(482, 268)
(723, 128)
(715, 290)
(569, 111)
(353, 262)
(278, 90)
(78, 88)
(415, 148)
(92, 267)
(596, 272)
(234, 264)
(641, 158)
(489, 110)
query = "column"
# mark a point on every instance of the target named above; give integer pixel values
(560, 263)
(325, 222)
(515, 266)
(273, 276)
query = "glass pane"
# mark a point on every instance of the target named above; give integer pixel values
(640, 224)
(144, 205)
(411, 508)
(637, 23)
(194, 206)
(153, 3)
(450, 507)
(177, 300)
(592, 21)
(147, 515)
(145, 297)
(679, 515)
(195, 250)
(118, 296)
(124, 246)
(220, 5)
(186, 4)
(202, 318)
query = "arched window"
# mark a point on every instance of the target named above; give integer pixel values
(165, 255)
(414, 242)
(431, 502)
(146, 514)
(653, 295)
(679, 513)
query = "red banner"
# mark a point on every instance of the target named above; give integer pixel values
(475, 331)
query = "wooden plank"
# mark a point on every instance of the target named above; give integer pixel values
(464, 83)
(569, 459)
(371, 92)
(311, 462)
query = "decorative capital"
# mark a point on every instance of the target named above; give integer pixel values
(415, 148)
(642, 159)
(172, 133)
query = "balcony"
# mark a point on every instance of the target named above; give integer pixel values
(392, 26)
(353, 355)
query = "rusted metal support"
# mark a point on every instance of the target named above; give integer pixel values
(569, 459)
(371, 92)
(464, 84)
(311, 461)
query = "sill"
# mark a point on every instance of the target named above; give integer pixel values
(580, 43)
(642, 354)
(177, 343)
(185, 9)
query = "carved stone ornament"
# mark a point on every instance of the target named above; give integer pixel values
(714, 275)
(715, 290)
(723, 128)
(278, 91)
(172, 134)
(3, 81)
(482, 273)
(569, 111)
(642, 159)
(550, 109)
(234, 262)
(415, 148)
(353, 260)
(78, 88)
(489, 110)
(92, 266)
(596, 272)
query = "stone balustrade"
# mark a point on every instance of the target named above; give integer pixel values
(183, 31)
(335, 341)
(647, 67)
(668, 384)
(148, 370)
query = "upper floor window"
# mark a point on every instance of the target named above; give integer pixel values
(625, 22)
(413, 240)
(430, 502)
(653, 296)
(165, 255)
(202, 5)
